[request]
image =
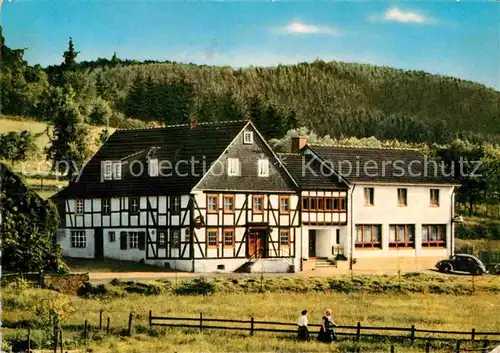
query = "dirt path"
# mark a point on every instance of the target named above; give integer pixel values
(107, 276)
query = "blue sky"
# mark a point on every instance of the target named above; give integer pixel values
(456, 38)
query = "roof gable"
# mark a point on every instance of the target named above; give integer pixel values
(248, 155)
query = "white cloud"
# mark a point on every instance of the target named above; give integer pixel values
(296, 27)
(395, 14)
(398, 15)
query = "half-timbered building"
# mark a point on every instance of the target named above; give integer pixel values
(215, 197)
(192, 197)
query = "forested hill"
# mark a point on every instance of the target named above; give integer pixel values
(331, 98)
(339, 99)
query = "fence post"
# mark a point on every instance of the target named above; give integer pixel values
(29, 338)
(201, 321)
(150, 319)
(40, 279)
(129, 331)
(107, 326)
(412, 334)
(358, 331)
(85, 329)
(100, 320)
(458, 347)
(392, 348)
(427, 347)
(60, 341)
(56, 335)
(473, 335)
(251, 325)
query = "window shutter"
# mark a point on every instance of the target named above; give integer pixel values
(123, 240)
(142, 240)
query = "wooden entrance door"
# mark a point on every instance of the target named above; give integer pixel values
(98, 244)
(312, 243)
(256, 243)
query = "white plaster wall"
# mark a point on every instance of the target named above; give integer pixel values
(418, 212)
(112, 249)
(271, 265)
(64, 239)
(326, 238)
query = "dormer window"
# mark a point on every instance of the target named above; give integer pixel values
(263, 167)
(248, 137)
(233, 166)
(111, 170)
(153, 167)
(107, 170)
(117, 170)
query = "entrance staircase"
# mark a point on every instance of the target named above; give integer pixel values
(314, 263)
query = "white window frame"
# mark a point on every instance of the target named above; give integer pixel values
(78, 239)
(175, 207)
(175, 238)
(106, 206)
(153, 167)
(233, 167)
(107, 170)
(284, 235)
(133, 240)
(134, 208)
(228, 234)
(79, 206)
(162, 238)
(263, 167)
(117, 170)
(247, 137)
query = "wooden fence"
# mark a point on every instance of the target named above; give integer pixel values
(355, 332)
(484, 340)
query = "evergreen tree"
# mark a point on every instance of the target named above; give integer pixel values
(69, 62)
(114, 60)
(135, 101)
(69, 146)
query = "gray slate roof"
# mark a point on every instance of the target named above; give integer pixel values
(307, 172)
(205, 142)
(382, 165)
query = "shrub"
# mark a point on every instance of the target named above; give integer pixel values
(196, 287)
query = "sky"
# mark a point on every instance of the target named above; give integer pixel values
(455, 38)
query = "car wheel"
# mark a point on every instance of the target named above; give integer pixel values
(446, 268)
(497, 269)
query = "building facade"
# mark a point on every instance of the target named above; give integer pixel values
(215, 197)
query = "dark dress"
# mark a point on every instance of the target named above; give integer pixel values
(326, 334)
(303, 333)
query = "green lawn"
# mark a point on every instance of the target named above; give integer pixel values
(37, 163)
(432, 311)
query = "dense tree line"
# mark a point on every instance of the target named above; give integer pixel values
(28, 227)
(340, 99)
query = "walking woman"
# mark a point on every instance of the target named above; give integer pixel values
(303, 332)
(326, 333)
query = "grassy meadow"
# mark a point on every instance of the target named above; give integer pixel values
(461, 312)
(36, 164)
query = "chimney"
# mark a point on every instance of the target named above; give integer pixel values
(193, 123)
(298, 143)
